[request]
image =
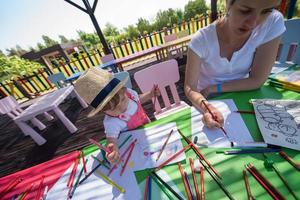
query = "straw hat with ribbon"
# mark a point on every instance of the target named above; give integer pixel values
(97, 87)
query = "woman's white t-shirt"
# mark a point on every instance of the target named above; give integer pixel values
(216, 69)
(113, 126)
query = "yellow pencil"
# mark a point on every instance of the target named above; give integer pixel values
(110, 181)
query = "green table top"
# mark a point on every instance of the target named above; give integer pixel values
(231, 166)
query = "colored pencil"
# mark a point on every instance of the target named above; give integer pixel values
(251, 151)
(11, 185)
(290, 160)
(149, 187)
(166, 185)
(172, 157)
(202, 183)
(186, 176)
(264, 182)
(100, 161)
(100, 146)
(199, 154)
(45, 192)
(27, 191)
(108, 180)
(161, 186)
(194, 179)
(214, 117)
(249, 194)
(39, 190)
(245, 111)
(83, 162)
(186, 187)
(77, 180)
(73, 174)
(146, 188)
(164, 145)
(90, 173)
(122, 144)
(127, 159)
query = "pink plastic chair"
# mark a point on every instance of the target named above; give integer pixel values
(173, 52)
(164, 74)
(107, 58)
(10, 106)
(171, 37)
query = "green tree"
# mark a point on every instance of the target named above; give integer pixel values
(131, 32)
(193, 8)
(63, 39)
(165, 18)
(110, 30)
(143, 26)
(48, 41)
(89, 39)
(40, 46)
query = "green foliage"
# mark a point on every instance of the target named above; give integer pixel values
(17, 51)
(63, 39)
(144, 26)
(132, 32)
(193, 8)
(165, 18)
(89, 39)
(48, 41)
(110, 30)
(14, 66)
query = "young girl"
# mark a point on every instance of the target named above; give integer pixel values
(121, 105)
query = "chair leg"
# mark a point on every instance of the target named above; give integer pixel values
(48, 116)
(68, 124)
(38, 123)
(81, 101)
(27, 130)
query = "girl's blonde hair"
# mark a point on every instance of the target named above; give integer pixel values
(114, 101)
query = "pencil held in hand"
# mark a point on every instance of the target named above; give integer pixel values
(100, 146)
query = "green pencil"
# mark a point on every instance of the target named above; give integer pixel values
(77, 181)
(100, 161)
(125, 141)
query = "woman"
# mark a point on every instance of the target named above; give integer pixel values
(235, 53)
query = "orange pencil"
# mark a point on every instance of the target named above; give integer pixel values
(202, 182)
(194, 178)
(189, 195)
(164, 145)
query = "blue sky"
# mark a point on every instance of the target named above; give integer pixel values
(23, 22)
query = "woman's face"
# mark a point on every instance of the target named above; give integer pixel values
(245, 15)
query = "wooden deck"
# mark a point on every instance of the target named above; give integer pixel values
(19, 152)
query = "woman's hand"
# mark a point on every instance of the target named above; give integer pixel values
(214, 119)
(114, 156)
(155, 92)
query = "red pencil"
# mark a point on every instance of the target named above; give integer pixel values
(10, 186)
(164, 145)
(172, 157)
(146, 189)
(127, 159)
(83, 162)
(100, 146)
(189, 195)
(28, 190)
(194, 178)
(39, 191)
(202, 182)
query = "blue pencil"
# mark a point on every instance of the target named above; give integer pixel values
(189, 184)
(149, 187)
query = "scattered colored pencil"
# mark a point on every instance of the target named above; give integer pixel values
(290, 160)
(245, 111)
(172, 157)
(251, 151)
(214, 117)
(146, 188)
(100, 146)
(11, 186)
(202, 183)
(186, 187)
(164, 145)
(161, 186)
(249, 194)
(72, 176)
(39, 190)
(100, 161)
(127, 159)
(90, 173)
(124, 142)
(166, 185)
(264, 182)
(83, 162)
(199, 154)
(187, 178)
(194, 179)
(149, 187)
(77, 180)
(27, 191)
(108, 180)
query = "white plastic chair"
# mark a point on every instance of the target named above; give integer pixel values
(164, 74)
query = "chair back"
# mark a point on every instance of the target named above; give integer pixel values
(57, 79)
(169, 38)
(10, 106)
(122, 75)
(107, 58)
(164, 74)
(183, 33)
(290, 43)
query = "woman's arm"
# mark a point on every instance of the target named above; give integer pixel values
(190, 88)
(263, 61)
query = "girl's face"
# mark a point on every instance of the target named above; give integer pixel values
(245, 15)
(121, 107)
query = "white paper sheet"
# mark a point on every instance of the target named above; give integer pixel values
(233, 124)
(279, 121)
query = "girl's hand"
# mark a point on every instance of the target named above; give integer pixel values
(215, 121)
(155, 92)
(114, 156)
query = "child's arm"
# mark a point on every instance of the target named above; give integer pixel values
(112, 145)
(148, 95)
